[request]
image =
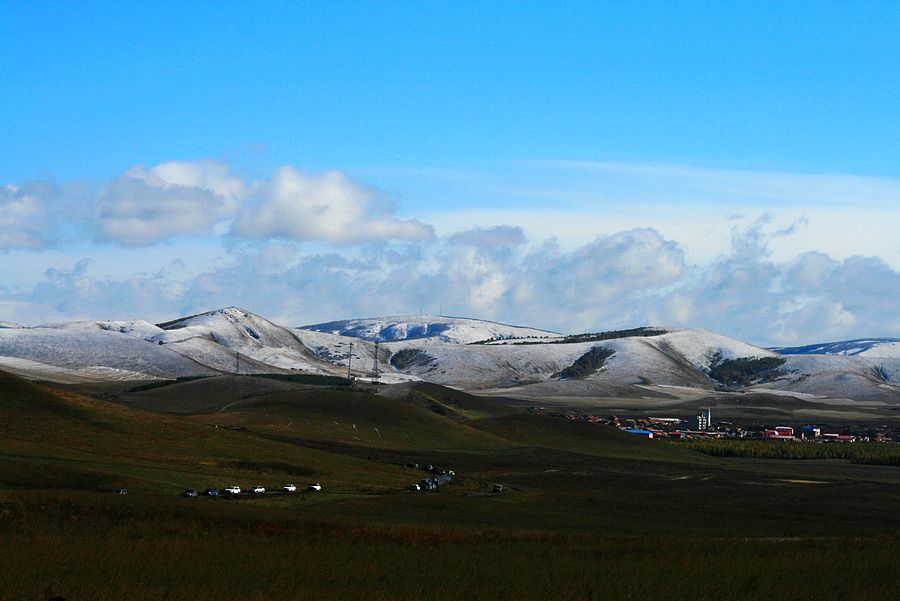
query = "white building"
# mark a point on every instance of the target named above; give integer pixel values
(703, 420)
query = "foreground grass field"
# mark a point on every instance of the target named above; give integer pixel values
(157, 549)
(587, 512)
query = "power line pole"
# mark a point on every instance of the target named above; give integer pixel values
(349, 362)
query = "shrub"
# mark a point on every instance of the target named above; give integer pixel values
(745, 371)
(411, 357)
(586, 364)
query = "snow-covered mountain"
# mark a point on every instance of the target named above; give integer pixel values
(230, 340)
(89, 350)
(676, 358)
(233, 339)
(447, 330)
(863, 347)
(519, 361)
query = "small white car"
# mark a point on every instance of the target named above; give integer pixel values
(315, 487)
(233, 490)
(289, 488)
(257, 489)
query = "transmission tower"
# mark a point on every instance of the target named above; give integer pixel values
(349, 361)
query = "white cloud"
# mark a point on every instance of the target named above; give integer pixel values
(630, 278)
(24, 221)
(767, 273)
(329, 207)
(144, 206)
(205, 175)
(702, 231)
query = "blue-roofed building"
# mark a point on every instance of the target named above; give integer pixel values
(646, 433)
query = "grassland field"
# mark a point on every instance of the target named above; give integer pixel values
(587, 512)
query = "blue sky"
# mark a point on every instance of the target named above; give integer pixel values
(736, 164)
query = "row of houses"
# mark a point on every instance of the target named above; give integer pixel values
(702, 426)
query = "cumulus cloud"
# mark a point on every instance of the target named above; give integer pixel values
(329, 207)
(24, 221)
(144, 206)
(501, 237)
(629, 278)
(810, 298)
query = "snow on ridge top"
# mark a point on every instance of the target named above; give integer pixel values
(452, 330)
(208, 317)
(11, 325)
(230, 327)
(699, 346)
(863, 347)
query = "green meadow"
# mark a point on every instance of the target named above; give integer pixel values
(586, 511)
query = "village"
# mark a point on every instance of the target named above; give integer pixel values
(702, 426)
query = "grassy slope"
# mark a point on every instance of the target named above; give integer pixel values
(415, 419)
(454, 403)
(589, 512)
(356, 418)
(104, 445)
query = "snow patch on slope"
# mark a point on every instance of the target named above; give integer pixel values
(36, 370)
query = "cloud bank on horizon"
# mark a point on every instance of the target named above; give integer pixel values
(302, 247)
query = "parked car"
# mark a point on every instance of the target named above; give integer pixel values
(121, 491)
(498, 488)
(233, 490)
(211, 492)
(314, 487)
(189, 492)
(257, 489)
(289, 488)
(414, 488)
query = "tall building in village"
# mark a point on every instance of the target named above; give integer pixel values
(702, 420)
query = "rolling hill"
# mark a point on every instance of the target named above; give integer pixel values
(467, 354)
(55, 438)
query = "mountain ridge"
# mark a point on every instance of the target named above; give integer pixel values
(523, 361)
